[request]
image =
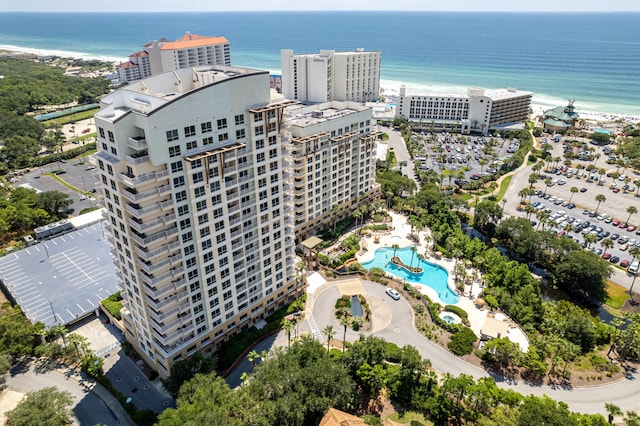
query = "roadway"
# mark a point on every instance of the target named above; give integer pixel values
(401, 330)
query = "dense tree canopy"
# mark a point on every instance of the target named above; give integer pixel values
(44, 407)
(584, 272)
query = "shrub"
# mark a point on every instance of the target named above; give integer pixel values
(462, 342)
(457, 310)
(392, 352)
(343, 302)
(380, 227)
(113, 305)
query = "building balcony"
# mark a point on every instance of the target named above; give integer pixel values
(168, 345)
(140, 212)
(141, 158)
(144, 178)
(146, 226)
(174, 286)
(144, 240)
(176, 298)
(161, 317)
(150, 268)
(138, 143)
(148, 255)
(132, 194)
(173, 325)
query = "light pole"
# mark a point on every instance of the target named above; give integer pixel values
(84, 185)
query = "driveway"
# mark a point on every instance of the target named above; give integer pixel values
(401, 331)
(88, 408)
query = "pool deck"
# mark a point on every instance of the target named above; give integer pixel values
(477, 315)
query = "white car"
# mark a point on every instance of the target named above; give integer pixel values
(393, 293)
(633, 268)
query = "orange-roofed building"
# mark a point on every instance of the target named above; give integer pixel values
(164, 55)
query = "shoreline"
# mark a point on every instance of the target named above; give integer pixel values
(388, 88)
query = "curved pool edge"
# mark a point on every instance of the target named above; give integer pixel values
(424, 288)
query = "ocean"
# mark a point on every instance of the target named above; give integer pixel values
(593, 58)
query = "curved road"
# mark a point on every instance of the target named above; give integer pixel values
(401, 331)
(87, 407)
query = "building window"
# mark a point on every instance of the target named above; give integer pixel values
(199, 191)
(192, 145)
(239, 119)
(110, 133)
(223, 137)
(222, 123)
(176, 167)
(207, 141)
(172, 135)
(240, 134)
(174, 151)
(205, 127)
(189, 131)
(181, 196)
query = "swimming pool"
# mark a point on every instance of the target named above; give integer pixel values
(395, 238)
(433, 276)
(598, 130)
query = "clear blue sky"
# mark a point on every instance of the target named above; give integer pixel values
(262, 5)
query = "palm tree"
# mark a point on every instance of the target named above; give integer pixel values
(613, 410)
(607, 243)
(542, 217)
(533, 178)
(328, 331)
(288, 327)
(590, 239)
(334, 211)
(253, 356)
(637, 184)
(529, 209)
(523, 194)
(547, 182)
(574, 190)
(345, 321)
(631, 210)
(395, 247)
(600, 198)
(635, 252)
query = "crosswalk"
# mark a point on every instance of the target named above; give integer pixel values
(314, 329)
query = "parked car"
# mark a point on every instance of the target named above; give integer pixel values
(624, 263)
(393, 293)
(614, 259)
(633, 268)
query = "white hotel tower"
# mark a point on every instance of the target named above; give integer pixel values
(331, 76)
(194, 173)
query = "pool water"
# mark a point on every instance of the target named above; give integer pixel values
(597, 130)
(433, 276)
(356, 307)
(448, 319)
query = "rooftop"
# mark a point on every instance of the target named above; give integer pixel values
(145, 96)
(303, 116)
(68, 275)
(192, 40)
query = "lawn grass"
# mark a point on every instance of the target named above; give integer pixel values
(409, 416)
(503, 187)
(616, 295)
(77, 116)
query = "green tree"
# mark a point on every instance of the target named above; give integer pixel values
(583, 272)
(600, 198)
(613, 410)
(186, 369)
(345, 321)
(288, 326)
(607, 243)
(44, 407)
(574, 191)
(329, 332)
(631, 210)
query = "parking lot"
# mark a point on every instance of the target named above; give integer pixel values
(78, 172)
(474, 156)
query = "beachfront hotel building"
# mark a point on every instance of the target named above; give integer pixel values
(331, 76)
(478, 111)
(197, 189)
(163, 55)
(333, 154)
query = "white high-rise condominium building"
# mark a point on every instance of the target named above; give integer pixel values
(163, 55)
(478, 111)
(197, 189)
(331, 76)
(333, 150)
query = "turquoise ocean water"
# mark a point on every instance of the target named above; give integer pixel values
(593, 58)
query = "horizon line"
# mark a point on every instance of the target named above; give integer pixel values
(327, 10)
